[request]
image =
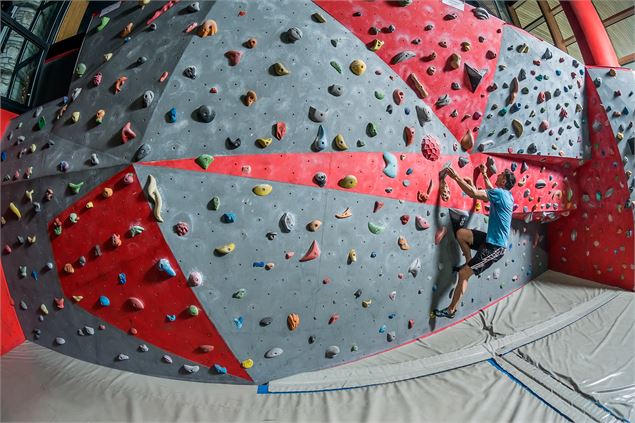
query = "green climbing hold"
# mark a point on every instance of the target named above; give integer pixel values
(240, 293)
(371, 129)
(336, 66)
(80, 70)
(103, 23)
(374, 228)
(75, 187)
(598, 196)
(57, 230)
(215, 203)
(136, 230)
(41, 123)
(379, 95)
(193, 310)
(204, 160)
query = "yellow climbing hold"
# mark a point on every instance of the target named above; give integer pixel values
(346, 213)
(247, 364)
(358, 67)
(375, 45)
(15, 210)
(352, 256)
(340, 143)
(366, 303)
(77, 298)
(280, 69)
(89, 205)
(262, 189)
(225, 249)
(349, 181)
(107, 192)
(263, 142)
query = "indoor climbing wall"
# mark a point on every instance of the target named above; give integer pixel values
(596, 241)
(237, 192)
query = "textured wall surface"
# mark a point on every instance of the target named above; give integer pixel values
(364, 306)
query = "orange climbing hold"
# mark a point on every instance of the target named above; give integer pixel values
(293, 321)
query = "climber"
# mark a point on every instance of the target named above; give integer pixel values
(489, 246)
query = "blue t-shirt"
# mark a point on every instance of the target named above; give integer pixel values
(500, 216)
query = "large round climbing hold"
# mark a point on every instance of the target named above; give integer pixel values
(348, 182)
(136, 303)
(430, 148)
(206, 114)
(262, 189)
(358, 67)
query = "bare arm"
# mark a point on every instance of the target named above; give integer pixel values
(469, 189)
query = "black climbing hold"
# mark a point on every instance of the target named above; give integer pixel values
(336, 90)
(232, 144)
(142, 152)
(265, 321)
(474, 76)
(206, 114)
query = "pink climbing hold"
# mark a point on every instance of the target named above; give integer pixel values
(544, 125)
(97, 79)
(136, 303)
(312, 253)
(397, 96)
(195, 279)
(334, 318)
(430, 148)
(378, 205)
(421, 223)
(404, 219)
(191, 27)
(289, 254)
(161, 11)
(440, 234)
(234, 56)
(128, 179)
(127, 133)
(281, 130)
(411, 324)
(164, 76)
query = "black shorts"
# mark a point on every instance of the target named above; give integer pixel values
(486, 253)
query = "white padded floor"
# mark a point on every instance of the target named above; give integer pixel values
(578, 366)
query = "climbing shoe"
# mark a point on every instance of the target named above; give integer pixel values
(444, 313)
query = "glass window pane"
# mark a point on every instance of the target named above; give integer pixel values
(574, 50)
(528, 11)
(22, 83)
(563, 24)
(608, 8)
(24, 11)
(542, 32)
(45, 20)
(11, 45)
(622, 36)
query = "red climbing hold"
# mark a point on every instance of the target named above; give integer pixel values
(408, 134)
(411, 324)
(378, 205)
(312, 253)
(136, 303)
(333, 318)
(430, 148)
(234, 57)
(59, 303)
(127, 133)
(404, 219)
(281, 130)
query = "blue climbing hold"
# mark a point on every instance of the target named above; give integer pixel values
(409, 171)
(170, 317)
(238, 321)
(164, 266)
(406, 110)
(34, 274)
(320, 142)
(391, 165)
(558, 72)
(122, 278)
(392, 315)
(259, 264)
(104, 301)
(3, 156)
(513, 167)
(515, 107)
(229, 217)
(382, 329)
(220, 369)
(373, 254)
(172, 115)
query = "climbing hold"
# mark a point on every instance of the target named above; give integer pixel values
(136, 303)
(262, 189)
(345, 214)
(403, 243)
(332, 351)
(408, 134)
(540, 183)
(430, 148)
(279, 69)
(438, 236)
(80, 70)
(287, 222)
(127, 133)
(391, 167)
(274, 352)
(207, 28)
(293, 321)
(444, 100)
(60, 341)
(319, 143)
(247, 364)
(480, 13)
(313, 225)
(239, 294)
(233, 57)
(374, 228)
(155, 196)
(164, 266)
(318, 18)
(348, 182)
(335, 90)
(206, 114)
(513, 92)
(220, 369)
(454, 61)
(358, 67)
(14, 209)
(229, 217)
(402, 57)
(104, 301)
(518, 127)
(390, 336)
(225, 249)
(371, 129)
(474, 76)
(99, 116)
(375, 45)
(263, 142)
(352, 256)
(102, 23)
(418, 86)
(204, 160)
(166, 359)
(75, 188)
(421, 223)
(316, 115)
(340, 143)
(415, 267)
(181, 228)
(320, 178)
(190, 369)
(193, 310)
(424, 114)
(293, 34)
(172, 115)
(250, 98)
(215, 203)
(467, 142)
(312, 253)
(75, 117)
(280, 129)
(120, 83)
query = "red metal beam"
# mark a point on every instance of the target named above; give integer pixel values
(590, 33)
